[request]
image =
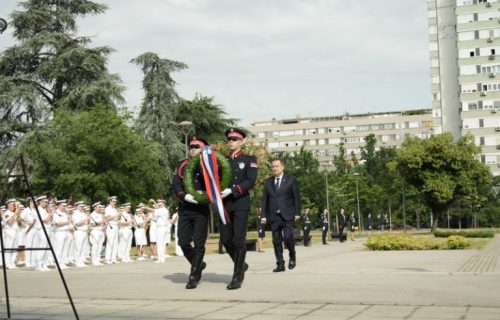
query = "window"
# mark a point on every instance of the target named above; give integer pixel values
(481, 123)
(472, 106)
(481, 141)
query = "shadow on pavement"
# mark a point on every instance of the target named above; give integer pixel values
(207, 277)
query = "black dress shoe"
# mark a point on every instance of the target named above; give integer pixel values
(292, 263)
(280, 267)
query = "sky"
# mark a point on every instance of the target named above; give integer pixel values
(265, 59)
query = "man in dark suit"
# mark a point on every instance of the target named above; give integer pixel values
(342, 221)
(281, 208)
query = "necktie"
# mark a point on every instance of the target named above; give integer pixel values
(277, 184)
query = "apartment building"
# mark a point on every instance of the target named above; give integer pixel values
(464, 44)
(323, 135)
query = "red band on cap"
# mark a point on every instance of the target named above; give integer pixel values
(196, 142)
(235, 135)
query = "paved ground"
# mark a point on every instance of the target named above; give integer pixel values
(330, 282)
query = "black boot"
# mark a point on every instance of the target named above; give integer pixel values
(292, 263)
(203, 266)
(195, 275)
(280, 266)
(232, 254)
(239, 270)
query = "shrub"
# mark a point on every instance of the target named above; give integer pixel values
(464, 233)
(457, 242)
(396, 241)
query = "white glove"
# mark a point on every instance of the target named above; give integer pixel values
(189, 198)
(263, 220)
(226, 192)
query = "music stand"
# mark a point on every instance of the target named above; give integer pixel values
(24, 175)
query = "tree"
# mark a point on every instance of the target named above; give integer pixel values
(209, 119)
(51, 68)
(93, 154)
(442, 170)
(159, 107)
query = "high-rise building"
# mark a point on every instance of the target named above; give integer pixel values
(323, 135)
(464, 42)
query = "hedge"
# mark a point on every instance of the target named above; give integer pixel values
(397, 241)
(464, 233)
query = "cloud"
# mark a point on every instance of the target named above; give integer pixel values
(276, 58)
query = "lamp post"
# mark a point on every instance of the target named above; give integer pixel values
(186, 128)
(328, 197)
(404, 207)
(3, 25)
(357, 197)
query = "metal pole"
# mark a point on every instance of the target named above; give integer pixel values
(359, 214)
(185, 143)
(404, 208)
(51, 248)
(328, 201)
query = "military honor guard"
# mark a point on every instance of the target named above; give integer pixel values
(21, 235)
(62, 225)
(40, 240)
(163, 227)
(237, 204)
(193, 216)
(28, 221)
(112, 217)
(97, 226)
(140, 222)
(10, 230)
(81, 222)
(281, 208)
(125, 233)
(152, 231)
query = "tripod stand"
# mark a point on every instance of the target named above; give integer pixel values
(20, 159)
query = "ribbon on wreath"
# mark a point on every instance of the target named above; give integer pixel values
(210, 168)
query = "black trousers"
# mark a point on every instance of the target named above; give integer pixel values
(307, 230)
(341, 232)
(325, 232)
(282, 232)
(234, 235)
(193, 227)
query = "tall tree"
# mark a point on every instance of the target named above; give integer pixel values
(51, 67)
(444, 171)
(159, 106)
(91, 155)
(209, 119)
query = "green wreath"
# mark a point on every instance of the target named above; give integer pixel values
(189, 181)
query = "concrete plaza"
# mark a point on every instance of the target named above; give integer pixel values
(336, 281)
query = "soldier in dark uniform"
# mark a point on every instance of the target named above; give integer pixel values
(193, 217)
(237, 204)
(261, 231)
(324, 219)
(307, 227)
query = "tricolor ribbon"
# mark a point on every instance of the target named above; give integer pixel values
(208, 160)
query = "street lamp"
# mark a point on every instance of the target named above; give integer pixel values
(328, 197)
(3, 25)
(357, 197)
(186, 128)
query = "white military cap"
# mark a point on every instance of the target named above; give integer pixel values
(69, 208)
(40, 198)
(98, 203)
(137, 210)
(79, 203)
(160, 200)
(127, 204)
(112, 198)
(140, 206)
(10, 200)
(61, 202)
